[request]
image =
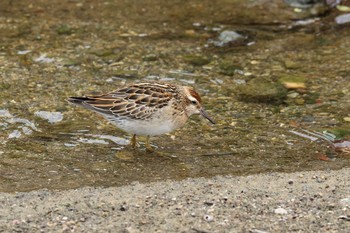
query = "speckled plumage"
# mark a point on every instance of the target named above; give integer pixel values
(146, 108)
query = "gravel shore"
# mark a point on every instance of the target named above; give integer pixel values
(315, 201)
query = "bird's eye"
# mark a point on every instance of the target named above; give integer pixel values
(194, 102)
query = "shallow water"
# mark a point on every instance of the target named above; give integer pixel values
(51, 51)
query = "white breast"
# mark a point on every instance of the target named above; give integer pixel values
(160, 123)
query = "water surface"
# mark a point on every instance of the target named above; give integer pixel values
(50, 51)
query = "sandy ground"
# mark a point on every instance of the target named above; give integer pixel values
(316, 201)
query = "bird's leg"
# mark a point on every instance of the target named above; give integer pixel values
(148, 145)
(133, 141)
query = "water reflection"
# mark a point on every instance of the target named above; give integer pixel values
(87, 138)
(15, 126)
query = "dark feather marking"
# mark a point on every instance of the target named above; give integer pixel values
(133, 97)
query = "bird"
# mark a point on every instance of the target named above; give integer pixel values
(146, 108)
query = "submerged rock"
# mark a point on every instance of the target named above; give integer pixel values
(196, 60)
(225, 38)
(43, 58)
(51, 117)
(343, 19)
(260, 90)
(65, 29)
(15, 134)
(290, 64)
(228, 68)
(5, 113)
(228, 36)
(293, 82)
(150, 57)
(303, 3)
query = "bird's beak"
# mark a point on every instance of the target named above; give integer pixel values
(205, 114)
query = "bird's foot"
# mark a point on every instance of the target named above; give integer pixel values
(133, 142)
(149, 148)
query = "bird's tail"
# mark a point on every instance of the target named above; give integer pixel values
(78, 100)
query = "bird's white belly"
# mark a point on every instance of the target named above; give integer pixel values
(150, 127)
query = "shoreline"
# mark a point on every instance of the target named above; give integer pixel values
(312, 201)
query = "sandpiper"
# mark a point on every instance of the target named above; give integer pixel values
(146, 109)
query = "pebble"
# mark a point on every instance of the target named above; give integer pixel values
(280, 210)
(15, 134)
(293, 95)
(226, 37)
(343, 19)
(258, 231)
(123, 208)
(345, 201)
(51, 117)
(5, 113)
(299, 101)
(70, 144)
(44, 59)
(208, 218)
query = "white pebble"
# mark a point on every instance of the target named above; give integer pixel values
(51, 117)
(208, 218)
(280, 210)
(345, 201)
(342, 19)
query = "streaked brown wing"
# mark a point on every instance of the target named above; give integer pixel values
(137, 102)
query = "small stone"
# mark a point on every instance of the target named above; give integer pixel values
(293, 95)
(293, 82)
(208, 218)
(208, 203)
(51, 117)
(258, 231)
(344, 217)
(70, 62)
(299, 101)
(64, 29)
(227, 37)
(15, 134)
(228, 68)
(196, 60)
(150, 57)
(123, 208)
(289, 64)
(346, 119)
(43, 58)
(233, 123)
(70, 144)
(130, 230)
(294, 85)
(260, 90)
(342, 19)
(345, 201)
(280, 210)
(308, 118)
(343, 8)
(5, 113)
(290, 182)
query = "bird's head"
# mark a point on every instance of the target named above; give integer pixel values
(194, 104)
